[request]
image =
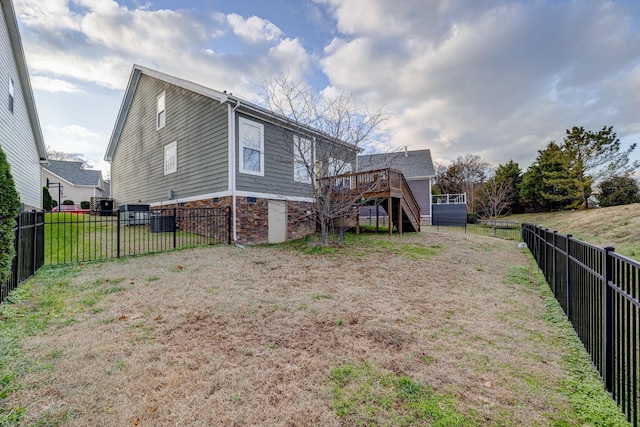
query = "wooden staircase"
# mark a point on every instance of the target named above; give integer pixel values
(387, 188)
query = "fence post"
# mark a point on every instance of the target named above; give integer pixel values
(607, 368)
(175, 226)
(568, 310)
(118, 234)
(555, 233)
(545, 258)
(19, 254)
(35, 242)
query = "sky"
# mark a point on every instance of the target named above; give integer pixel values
(495, 78)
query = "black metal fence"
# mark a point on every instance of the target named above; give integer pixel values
(598, 290)
(79, 237)
(508, 230)
(29, 247)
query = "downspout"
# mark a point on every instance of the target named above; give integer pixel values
(232, 161)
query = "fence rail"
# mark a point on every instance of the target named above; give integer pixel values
(73, 238)
(60, 238)
(507, 230)
(29, 250)
(599, 291)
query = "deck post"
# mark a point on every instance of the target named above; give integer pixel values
(390, 210)
(400, 217)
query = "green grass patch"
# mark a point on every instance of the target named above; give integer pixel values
(80, 237)
(46, 301)
(586, 394)
(364, 396)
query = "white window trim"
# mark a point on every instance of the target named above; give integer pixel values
(162, 96)
(170, 149)
(241, 123)
(11, 94)
(297, 159)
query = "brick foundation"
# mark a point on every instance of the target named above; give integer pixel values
(252, 217)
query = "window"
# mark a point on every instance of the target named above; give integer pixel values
(251, 138)
(302, 161)
(171, 158)
(161, 111)
(11, 94)
(340, 167)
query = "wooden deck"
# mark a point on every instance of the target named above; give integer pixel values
(385, 187)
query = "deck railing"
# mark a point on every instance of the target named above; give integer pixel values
(379, 183)
(450, 199)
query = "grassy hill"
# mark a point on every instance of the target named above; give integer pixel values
(617, 226)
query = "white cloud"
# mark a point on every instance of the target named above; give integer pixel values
(498, 79)
(253, 29)
(74, 139)
(53, 85)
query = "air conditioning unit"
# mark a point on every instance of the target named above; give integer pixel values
(134, 214)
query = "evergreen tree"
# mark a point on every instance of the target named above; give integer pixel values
(511, 173)
(9, 209)
(549, 184)
(618, 190)
(594, 156)
(47, 201)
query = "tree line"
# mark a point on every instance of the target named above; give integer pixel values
(587, 169)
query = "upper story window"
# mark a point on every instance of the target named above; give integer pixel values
(251, 140)
(11, 94)
(161, 111)
(340, 167)
(171, 158)
(302, 159)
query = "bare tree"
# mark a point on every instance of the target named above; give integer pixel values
(323, 135)
(494, 199)
(464, 175)
(61, 155)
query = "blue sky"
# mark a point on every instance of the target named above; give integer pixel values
(495, 78)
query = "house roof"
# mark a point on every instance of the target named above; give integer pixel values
(412, 164)
(73, 173)
(222, 97)
(23, 75)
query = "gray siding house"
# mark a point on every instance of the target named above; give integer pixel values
(417, 168)
(20, 134)
(182, 144)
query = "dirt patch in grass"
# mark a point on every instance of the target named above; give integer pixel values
(241, 337)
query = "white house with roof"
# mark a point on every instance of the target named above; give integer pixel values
(73, 181)
(20, 133)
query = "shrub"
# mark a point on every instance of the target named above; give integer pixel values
(85, 204)
(9, 209)
(47, 201)
(68, 202)
(472, 218)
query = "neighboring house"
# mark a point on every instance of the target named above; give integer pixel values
(75, 182)
(179, 143)
(417, 168)
(20, 134)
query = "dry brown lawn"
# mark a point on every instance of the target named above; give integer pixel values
(248, 337)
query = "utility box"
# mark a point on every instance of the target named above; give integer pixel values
(106, 207)
(162, 223)
(133, 214)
